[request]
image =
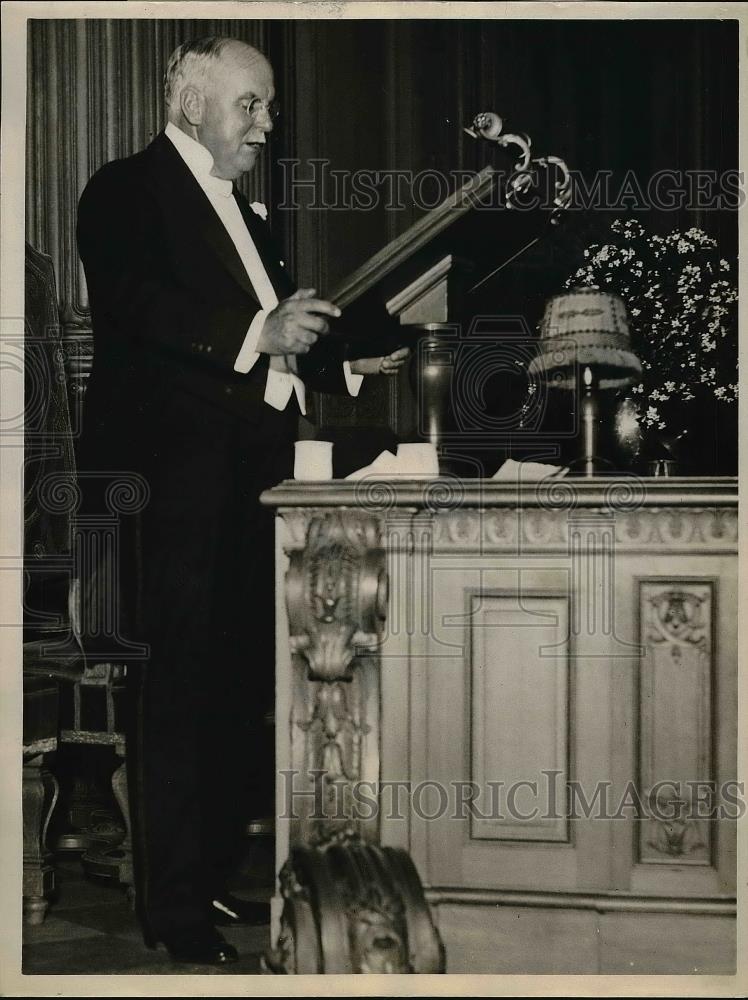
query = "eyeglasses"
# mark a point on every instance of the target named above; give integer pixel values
(255, 106)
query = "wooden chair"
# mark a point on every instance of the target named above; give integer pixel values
(68, 698)
(51, 649)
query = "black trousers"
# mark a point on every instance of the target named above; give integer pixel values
(198, 586)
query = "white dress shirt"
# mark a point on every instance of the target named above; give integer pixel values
(281, 380)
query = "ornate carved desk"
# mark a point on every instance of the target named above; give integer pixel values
(525, 695)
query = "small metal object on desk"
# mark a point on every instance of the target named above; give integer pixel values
(663, 467)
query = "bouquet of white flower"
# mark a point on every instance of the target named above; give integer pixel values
(682, 309)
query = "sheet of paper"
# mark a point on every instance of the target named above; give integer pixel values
(523, 472)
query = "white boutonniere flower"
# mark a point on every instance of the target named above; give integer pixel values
(259, 209)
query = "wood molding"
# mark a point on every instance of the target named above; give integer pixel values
(477, 516)
(421, 286)
(624, 493)
(617, 902)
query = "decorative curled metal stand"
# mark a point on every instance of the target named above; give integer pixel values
(488, 125)
(350, 905)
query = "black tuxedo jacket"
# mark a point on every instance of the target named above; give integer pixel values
(171, 302)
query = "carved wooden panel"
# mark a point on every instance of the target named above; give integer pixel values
(334, 736)
(336, 596)
(553, 525)
(520, 721)
(675, 719)
(468, 697)
(503, 700)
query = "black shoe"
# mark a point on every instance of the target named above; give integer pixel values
(200, 945)
(227, 911)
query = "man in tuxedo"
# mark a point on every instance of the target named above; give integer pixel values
(203, 353)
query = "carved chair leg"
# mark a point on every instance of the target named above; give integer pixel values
(114, 861)
(39, 795)
(119, 787)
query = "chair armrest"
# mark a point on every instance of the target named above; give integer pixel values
(63, 659)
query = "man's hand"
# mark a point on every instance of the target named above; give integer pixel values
(295, 323)
(388, 365)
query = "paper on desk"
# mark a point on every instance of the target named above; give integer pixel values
(525, 472)
(385, 464)
(403, 464)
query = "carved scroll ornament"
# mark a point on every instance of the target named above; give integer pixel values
(354, 907)
(336, 592)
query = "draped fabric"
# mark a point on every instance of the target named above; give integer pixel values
(604, 95)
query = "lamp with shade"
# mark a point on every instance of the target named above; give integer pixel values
(585, 345)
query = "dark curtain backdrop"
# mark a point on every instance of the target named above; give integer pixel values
(605, 95)
(389, 95)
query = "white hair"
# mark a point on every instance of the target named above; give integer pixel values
(188, 66)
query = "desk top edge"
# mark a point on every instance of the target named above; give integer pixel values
(449, 492)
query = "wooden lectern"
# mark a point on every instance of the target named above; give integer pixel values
(462, 663)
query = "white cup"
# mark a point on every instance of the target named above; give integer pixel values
(417, 460)
(312, 460)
